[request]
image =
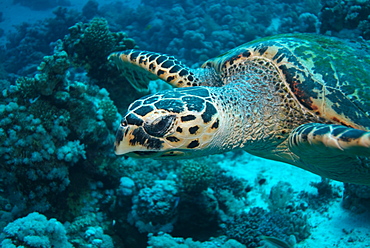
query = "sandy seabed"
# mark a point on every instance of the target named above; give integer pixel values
(336, 227)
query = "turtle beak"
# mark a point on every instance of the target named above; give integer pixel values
(122, 145)
(119, 145)
(132, 139)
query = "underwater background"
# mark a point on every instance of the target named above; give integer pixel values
(61, 185)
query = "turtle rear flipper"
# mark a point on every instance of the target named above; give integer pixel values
(333, 151)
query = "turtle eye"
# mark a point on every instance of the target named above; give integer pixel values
(160, 126)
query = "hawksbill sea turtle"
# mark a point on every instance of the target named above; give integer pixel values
(297, 98)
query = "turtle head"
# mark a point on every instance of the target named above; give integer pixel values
(177, 123)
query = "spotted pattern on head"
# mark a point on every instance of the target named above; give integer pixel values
(168, 123)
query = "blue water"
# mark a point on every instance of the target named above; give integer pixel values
(61, 185)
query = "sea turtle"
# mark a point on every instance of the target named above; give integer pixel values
(297, 98)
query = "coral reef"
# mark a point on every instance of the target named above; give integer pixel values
(154, 209)
(30, 43)
(34, 144)
(35, 230)
(167, 241)
(52, 124)
(280, 195)
(196, 31)
(326, 193)
(196, 176)
(342, 17)
(85, 231)
(88, 45)
(356, 198)
(248, 227)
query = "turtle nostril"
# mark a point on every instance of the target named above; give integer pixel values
(123, 123)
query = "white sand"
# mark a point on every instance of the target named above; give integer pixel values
(335, 228)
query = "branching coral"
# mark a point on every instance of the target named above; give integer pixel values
(337, 16)
(85, 231)
(30, 43)
(280, 195)
(31, 147)
(109, 111)
(53, 70)
(88, 46)
(167, 241)
(248, 227)
(154, 209)
(326, 192)
(35, 231)
(50, 122)
(356, 198)
(196, 176)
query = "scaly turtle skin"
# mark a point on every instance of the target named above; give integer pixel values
(298, 98)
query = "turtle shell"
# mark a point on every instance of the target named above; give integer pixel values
(327, 76)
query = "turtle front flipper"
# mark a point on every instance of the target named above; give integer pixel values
(143, 66)
(333, 151)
